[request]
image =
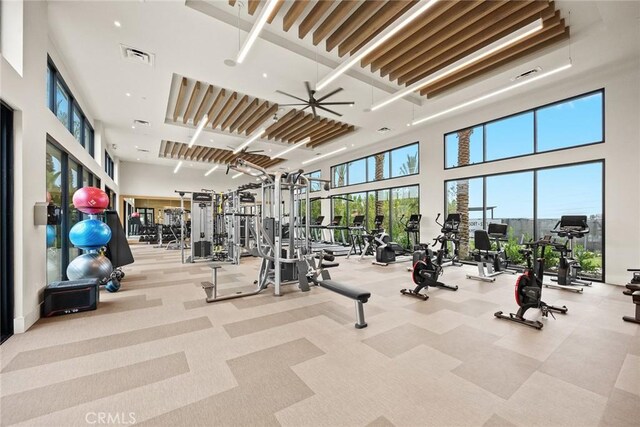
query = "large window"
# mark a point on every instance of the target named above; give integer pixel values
(6, 222)
(61, 102)
(401, 161)
(395, 204)
(564, 124)
(531, 203)
(315, 185)
(108, 164)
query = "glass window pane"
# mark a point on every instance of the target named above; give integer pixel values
(54, 197)
(581, 194)
(404, 161)
(357, 172)
(339, 176)
(62, 105)
(48, 100)
(404, 202)
(316, 209)
(77, 125)
(357, 206)
(570, 123)
(85, 177)
(378, 167)
(339, 208)
(382, 207)
(467, 142)
(465, 196)
(517, 212)
(315, 185)
(510, 137)
(72, 213)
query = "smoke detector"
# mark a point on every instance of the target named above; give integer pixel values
(526, 74)
(136, 55)
(383, 130)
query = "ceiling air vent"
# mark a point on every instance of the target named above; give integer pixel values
(383, 130)
(527, 74)
(141, 123)
(142, 150)
(136, 55)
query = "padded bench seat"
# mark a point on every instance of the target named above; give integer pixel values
(347, 291)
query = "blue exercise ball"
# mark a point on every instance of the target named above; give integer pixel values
(91, 265)
(112, 285)
(90, 234)
(51, 235)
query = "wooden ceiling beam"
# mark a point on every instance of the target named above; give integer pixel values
(191, 103)
(380, 20)
(253, 5)
(235, 112)
(327, 135)
(294, 12)
(408, 34)
(163, 146)
(547, 37)
(253, 117)
(327, 128)
(275, 11)
(334, 19)
(261, 119)
(475, 34)
(345, 129)
(210, 154)
(174, 150)
(225, 108)
(203, 105)
(446, 54)
(232, 3)
(217, 155)
(247, 111)
(353, 22)
(303, 133)
(182, 151)
(306, 121)
(450, 25)
(219, 97)
(167, 149)
(282, 129)
(280, 122)
(317, 12)
(181, 91)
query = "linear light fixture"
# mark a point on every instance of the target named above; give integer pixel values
(249, 141)
(293, 147)
(203, 122)
(255, 30)
(492, 94)
(177, 167)
(210, 171)
(237, 175)
(313, 159)
(494, 47)
(385, 35)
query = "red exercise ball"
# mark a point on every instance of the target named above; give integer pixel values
(90, 200)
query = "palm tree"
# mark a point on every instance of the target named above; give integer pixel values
(462, 193)
(341, 171)
(410, 166)
(379, 177)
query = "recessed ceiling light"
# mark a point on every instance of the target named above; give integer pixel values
(117, 24)
(128, 94)
(351, 105)
(133, 127)
(136, 146)
(353, 145)
(264, 75)
(408, 124)
(211, 140)
(138, 159)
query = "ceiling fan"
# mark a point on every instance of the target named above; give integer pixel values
(245, 151)
(314, 103)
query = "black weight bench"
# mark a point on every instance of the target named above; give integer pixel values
(360, 297)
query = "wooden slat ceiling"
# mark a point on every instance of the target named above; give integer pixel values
(449, 31)
(200, 153)
(239, 114)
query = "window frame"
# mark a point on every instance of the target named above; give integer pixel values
(534, 110)
(366, 166)
(535, 171)
(109, 165)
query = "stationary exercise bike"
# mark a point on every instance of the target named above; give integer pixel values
(528, 289)
(426, 271)
(569, 227)
(633, 290)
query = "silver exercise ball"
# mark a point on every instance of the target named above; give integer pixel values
(90, 266)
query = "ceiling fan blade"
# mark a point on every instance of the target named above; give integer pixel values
(338, 103)
(307, 106)
(254, 151)
(288, 105)
(330, 94)
(292, 96)
(309, 91)
(315, 113)
(330, 111)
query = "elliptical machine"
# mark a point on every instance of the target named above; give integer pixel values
(450, 231)
(528, 289)
(569, 227)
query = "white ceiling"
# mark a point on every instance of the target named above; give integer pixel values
(191, 43)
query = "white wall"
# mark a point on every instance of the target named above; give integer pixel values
(33, 121)
(11, 32)
(141, 179)
(621, 152)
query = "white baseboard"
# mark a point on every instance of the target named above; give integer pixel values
(23, 323)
